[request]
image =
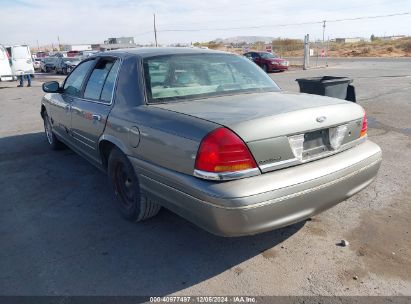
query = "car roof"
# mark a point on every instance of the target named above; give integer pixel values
(158, 51)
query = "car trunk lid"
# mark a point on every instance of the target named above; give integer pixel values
(273, 124)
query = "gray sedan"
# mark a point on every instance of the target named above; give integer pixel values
(209, 136)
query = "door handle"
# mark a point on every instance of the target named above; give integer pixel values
(96, 117)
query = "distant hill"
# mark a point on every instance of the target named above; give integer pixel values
(246, 39)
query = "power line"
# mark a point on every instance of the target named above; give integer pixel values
(238, 28)
(370, 17)
(278, 25)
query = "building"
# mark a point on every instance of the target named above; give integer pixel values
(351, 40)
(76, 47)
(118, 43)
(388, 38)
(120, 40)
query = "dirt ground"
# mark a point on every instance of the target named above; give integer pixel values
(60, 233)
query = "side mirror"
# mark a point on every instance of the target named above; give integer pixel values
(51, 87)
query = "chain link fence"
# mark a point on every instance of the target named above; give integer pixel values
(293, 51)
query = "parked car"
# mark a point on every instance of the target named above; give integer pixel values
(37, 64)
(21, 61)
(41, 54)
(74, 53)
(267, 61)
(6, 73)
(65, 65)
(89, 53)
(48, 64)
(209, 136)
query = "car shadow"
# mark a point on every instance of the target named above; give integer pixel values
(62, 235)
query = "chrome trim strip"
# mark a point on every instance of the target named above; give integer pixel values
(84, 143)
(88, 139)
(224, 176)
(280, 164)
(296, 161)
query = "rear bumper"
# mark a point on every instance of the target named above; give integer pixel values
(265, 202)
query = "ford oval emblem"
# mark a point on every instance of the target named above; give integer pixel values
(321, 118)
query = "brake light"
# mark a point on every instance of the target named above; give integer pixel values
(223, 151)
(364, 126)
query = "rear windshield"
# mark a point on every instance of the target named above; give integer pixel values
(191, 76)
(21, 52)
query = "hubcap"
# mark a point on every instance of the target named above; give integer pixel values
(124, 185)
(47, 128)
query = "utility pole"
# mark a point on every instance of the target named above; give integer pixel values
(306, 52)
(155, 30)
(325, 51)
(38, 46)
(58, 38)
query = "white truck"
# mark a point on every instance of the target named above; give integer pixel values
(21, 60)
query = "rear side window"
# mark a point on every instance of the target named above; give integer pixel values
(108, 87)
(74, 82)
(101, 82)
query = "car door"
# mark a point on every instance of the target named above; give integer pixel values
(89, 113)
(257, 59)
(59, 64)
(60, 104)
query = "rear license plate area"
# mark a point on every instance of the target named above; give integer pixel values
(315, 143)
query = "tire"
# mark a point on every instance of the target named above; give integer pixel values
(133, 205)
(64, 71)
(265, 68)
(51, 138)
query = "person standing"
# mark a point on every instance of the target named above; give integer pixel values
(22, 80)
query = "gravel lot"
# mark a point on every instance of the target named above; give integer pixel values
(60, 233)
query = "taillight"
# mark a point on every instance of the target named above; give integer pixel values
(222, 151)
(364, 126)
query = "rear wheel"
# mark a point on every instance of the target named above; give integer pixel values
(54, 143)
(132, 204)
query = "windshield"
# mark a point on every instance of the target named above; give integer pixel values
(268, 55)
(21, 52)
(50, 59)
(188, 76)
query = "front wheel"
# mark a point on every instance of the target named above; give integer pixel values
(133, 205)
(54, 143)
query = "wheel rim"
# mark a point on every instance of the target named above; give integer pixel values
(124, 186)
(47, 129)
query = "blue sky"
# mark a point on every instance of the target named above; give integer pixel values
(92, 21)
